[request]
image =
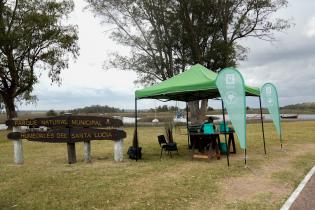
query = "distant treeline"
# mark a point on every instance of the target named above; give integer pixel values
(164, 108)
(96, 109)
(310, 105)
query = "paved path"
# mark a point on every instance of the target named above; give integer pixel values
(303, 198)
(306, 199)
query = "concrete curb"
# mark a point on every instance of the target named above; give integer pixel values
(298, 190)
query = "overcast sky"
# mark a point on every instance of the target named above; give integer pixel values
(289, 63)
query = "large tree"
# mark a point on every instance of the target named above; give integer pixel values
(166, 36)
(33, 37)
(213, 29)
(147, 28)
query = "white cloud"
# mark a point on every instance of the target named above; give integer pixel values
(294, 76)
(86, 81)
(289, 63)
(310, 28)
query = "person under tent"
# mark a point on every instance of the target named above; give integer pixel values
(209, 121)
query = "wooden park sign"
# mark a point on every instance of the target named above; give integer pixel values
(64, 136)
(68, 121)
(69, 129)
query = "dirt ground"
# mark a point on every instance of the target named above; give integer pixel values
(261, 181)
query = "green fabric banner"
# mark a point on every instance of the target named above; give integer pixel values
(269, 96)
(232, 90)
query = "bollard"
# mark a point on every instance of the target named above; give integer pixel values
(18, 148)
(118, 150)
(118, 147)
(87, 151)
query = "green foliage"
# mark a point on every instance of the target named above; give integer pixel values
(167, 36)
(310, 105)
(165, 108)
(33, 38)
(51, 113)
(210, 108)
(96, 109)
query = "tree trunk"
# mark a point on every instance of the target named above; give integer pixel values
(9, 106)
(197, 112)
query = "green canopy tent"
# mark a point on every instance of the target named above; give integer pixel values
(196, 83)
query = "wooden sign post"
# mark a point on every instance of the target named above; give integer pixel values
(67, 129)
(72, 157)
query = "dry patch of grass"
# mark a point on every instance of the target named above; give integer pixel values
(45, 181)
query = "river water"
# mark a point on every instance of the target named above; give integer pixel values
(131, 120)
(267, 117)
(3, 127)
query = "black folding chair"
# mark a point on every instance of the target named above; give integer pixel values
(167, 147)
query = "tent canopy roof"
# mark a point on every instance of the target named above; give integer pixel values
(195, 83)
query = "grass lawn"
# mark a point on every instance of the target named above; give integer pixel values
(46, 181)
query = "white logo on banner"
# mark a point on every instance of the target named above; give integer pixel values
(269, 99)
(268, 90)
(230, 97)
(230, 79)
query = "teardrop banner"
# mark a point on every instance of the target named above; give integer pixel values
(231, 86)
(269, 96)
